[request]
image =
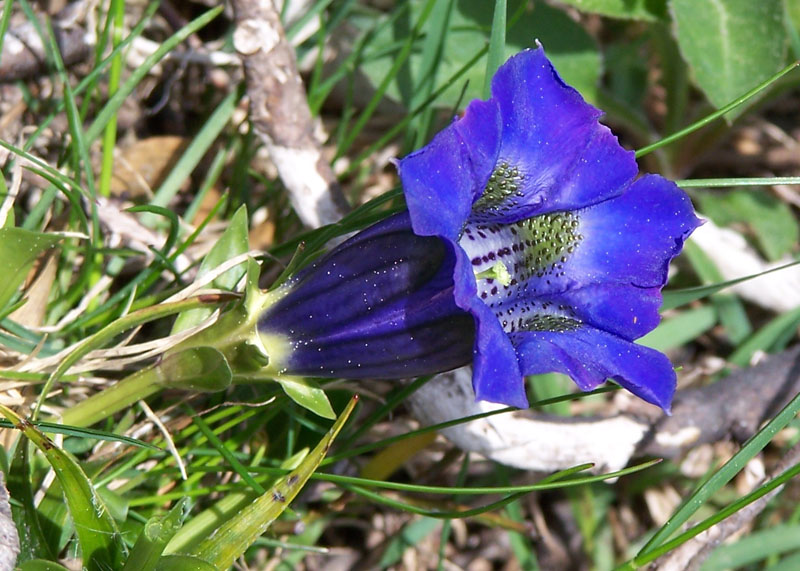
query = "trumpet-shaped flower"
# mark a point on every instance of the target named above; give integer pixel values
(529, 246)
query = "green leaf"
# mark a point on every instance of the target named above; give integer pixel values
(771, 220)
(183, 563)
(233, 242)
(19, 249)
(647, 10)
(155, 535)
(41, 565)
(308, 395)
(237, 534)
(571, 49)
(99, 539)
(753, 548)
(682, 328)
(85, 433)
(730, 45)
(32, 540)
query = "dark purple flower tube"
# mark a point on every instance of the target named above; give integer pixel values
(379, 305)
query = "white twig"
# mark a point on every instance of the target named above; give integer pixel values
(280, 114)
(530, 443)
(733, 256)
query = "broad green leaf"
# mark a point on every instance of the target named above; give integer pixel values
(730, 45)
(99, 539)
(19, 249)
(771, 220)
(237, 534)
(233, 242)
(571, 49)
(308, 395)
(647, 10)
(793, 13)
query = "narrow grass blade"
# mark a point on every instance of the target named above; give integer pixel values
(717, 114)
(195, 152)
(721, 477)
(497, 45)
(53, 428)
(676, 298)
(236, 535)
(100, 542)
(115, 102)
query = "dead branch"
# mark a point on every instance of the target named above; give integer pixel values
(280, 114)
(733, 407)
(24, 53)
(691, 555)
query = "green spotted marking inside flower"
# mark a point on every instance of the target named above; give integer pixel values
(546, 243)
(501, 190)
(552, 323)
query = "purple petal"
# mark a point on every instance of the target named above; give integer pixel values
(623, 310)
(496, 374)
(443, 179)
(564, 158)
(591, 356)
(631, 239)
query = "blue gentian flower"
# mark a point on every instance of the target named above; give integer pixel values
(561, 251)
(529, 246)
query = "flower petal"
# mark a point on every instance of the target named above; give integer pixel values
(631, 239)
(554, 155)
(623, 310)
(591, 356)
(443, 179)
(496, 374)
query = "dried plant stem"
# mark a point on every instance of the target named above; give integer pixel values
(280, 114)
